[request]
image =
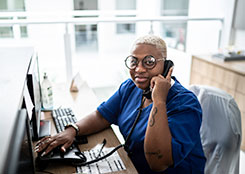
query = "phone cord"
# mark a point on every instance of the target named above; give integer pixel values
(126, 144)
(127, 141)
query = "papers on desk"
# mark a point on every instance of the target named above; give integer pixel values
(112, 163)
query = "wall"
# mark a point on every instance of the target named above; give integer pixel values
(240, 39)
(204, 36)
(238, 32)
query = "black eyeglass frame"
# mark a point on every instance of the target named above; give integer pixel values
(137, 62)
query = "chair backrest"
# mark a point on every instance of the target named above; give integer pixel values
(220, 130)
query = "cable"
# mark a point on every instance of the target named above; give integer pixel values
(126, 144)
(103, 157)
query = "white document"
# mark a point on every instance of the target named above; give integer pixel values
(110, 164)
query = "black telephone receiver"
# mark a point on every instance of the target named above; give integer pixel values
(167, 65)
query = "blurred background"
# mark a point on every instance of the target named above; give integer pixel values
(93, 37)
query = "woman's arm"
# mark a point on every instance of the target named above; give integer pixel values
(92, 123)
(157, 145)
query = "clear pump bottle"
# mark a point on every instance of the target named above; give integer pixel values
(47, 93)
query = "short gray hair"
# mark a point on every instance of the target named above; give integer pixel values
(154, 40)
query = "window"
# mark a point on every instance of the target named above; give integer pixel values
(6, 32)
(125, 28)
(175, 7)
(175, 33)
(85, 5)
(86, 35)
(125, 5)
(15, 5)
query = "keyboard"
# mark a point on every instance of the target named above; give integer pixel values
(72, 156)
(63, 117)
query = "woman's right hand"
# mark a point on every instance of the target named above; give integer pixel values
(65, 139)
(92, 123)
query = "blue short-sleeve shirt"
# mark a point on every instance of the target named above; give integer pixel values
(184, 119)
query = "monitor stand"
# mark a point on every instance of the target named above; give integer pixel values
(45, 128)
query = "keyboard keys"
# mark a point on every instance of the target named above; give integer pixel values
(62, 117)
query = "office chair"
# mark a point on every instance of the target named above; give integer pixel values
(220, 130)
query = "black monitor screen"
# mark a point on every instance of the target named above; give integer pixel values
(34, 87)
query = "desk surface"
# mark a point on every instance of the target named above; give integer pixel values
(83, 103)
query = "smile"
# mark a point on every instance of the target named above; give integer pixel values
(139, 79)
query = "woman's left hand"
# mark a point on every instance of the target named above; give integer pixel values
(160, 86)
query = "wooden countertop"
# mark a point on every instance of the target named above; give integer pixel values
(237, 66)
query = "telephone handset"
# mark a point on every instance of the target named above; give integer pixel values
(167, 65)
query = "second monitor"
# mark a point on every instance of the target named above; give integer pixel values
(40, 128)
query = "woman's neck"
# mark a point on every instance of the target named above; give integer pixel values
(147, 103)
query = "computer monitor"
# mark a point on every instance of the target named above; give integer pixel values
(39, 128)
(20, 158)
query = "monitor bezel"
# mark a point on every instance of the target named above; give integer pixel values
(20, 151)
(34, 87)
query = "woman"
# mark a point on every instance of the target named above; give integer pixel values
(166, 137)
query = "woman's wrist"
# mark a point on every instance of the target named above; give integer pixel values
(71, 131)
(74, 127)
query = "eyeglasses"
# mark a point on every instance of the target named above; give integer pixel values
(148, 62)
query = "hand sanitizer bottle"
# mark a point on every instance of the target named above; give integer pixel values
(47, 93)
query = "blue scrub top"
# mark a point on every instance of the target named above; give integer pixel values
(184, 119)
